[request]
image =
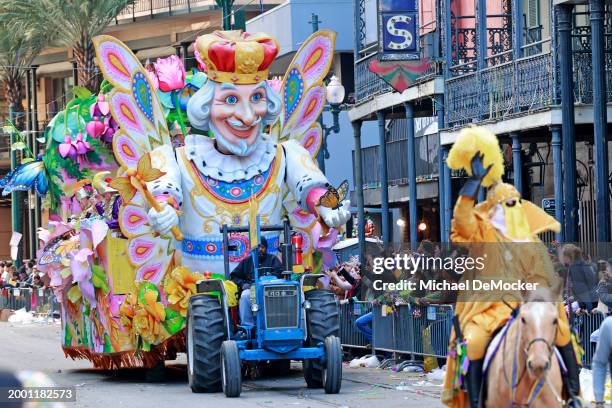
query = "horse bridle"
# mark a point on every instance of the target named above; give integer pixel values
(548, 345)
(539, 384)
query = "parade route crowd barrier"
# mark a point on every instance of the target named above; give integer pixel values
(416, 330)
(31, 299)
(584, 325)
(424, 330)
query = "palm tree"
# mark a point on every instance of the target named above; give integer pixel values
(17, 50)
(70, 23)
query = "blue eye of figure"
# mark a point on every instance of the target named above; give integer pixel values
(232, 100)
(256, 97)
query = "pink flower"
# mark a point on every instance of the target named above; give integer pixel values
(81, 273)
(170, 73)
(198, 57)
(95, 128)
(82, 146)
(100, 108)
(110, 127)
(68, 148)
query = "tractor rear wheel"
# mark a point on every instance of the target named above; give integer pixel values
(322, 321)
(231, 370)
(332, 374)
(206, 331)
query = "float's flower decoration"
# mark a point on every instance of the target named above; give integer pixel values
(180, 285)
(170, 73)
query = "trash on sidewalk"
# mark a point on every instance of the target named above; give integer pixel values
(437, 374)
(21, 316)
(413, 369)
(365, 361)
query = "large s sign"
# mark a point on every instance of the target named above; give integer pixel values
(398, 23)
(399, 32)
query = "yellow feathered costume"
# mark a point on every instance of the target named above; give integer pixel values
(504, 230)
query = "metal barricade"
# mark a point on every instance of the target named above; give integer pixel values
(413, 329)
(384, 325)
(31, 299)
(16, 298)
(586, 325)
(350, 335)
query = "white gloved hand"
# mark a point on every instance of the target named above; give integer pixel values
(164, 220)
(337, 217)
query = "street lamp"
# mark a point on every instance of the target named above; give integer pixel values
(335, 91)
(335, 97)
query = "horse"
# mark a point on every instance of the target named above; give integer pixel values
(525, 370)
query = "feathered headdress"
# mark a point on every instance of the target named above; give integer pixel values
(477, 139)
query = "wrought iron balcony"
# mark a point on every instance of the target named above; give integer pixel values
(150, 8)
(518, 86)
(528, 84)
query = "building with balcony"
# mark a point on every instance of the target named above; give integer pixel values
(530, 71)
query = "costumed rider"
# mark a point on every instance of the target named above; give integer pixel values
(212, 181)
(108, 200)
(82, 202)
(242, 276)
(504, 230)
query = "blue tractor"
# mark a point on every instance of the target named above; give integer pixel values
(290, 324)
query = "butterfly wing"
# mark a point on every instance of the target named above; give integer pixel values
(4, 180)
(42, 183)
(25, 177)
(330, 199)
(134, 103)
(136, 107)
(343, 189)
(303, 93)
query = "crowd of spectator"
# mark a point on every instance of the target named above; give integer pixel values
(26, 276)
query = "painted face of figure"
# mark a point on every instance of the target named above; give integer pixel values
(236, 116)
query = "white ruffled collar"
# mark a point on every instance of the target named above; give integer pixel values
(226, 167)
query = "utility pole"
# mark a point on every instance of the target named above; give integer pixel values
(314, 22)
(15, 195)
(226, 13)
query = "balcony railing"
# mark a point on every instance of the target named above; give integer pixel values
(495, 93)
(143, 8)
(526, 84)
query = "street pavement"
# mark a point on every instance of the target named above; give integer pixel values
(37, 347)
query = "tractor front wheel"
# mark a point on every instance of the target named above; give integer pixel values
(322, 321)
(231, 371)
(206, 331)
(332, 374)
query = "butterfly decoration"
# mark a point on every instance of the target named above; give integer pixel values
(25, 177)
(144, 173)
(55, 249)
(333, 197)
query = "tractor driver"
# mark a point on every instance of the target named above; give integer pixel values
(242, 276)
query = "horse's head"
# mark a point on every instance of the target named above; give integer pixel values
(538, 322)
